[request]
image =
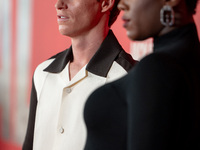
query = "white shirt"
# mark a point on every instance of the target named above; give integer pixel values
(56, 116)
(61, 103)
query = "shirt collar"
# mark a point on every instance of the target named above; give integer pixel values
(100, 63)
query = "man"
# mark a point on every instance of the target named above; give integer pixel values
(62, 84)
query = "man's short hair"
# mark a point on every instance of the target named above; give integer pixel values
(113, 13)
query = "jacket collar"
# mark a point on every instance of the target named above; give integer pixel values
(100, 63)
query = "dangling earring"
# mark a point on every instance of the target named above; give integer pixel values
(167, 15)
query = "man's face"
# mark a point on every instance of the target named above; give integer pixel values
(77, 17)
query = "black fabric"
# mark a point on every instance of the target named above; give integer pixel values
(100, 64)
(156, 106)
(61, 60)
(106, 120)
(28, 142)
(125, 60)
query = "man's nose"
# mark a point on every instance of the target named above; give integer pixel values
(60, 4)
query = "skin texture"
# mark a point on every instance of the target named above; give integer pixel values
(139, 23)
(86, 23)
(142, 17)
(80, 16)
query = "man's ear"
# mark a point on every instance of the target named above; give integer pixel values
(107, 5)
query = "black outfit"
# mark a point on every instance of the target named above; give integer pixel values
(157, 105)
(110, 51)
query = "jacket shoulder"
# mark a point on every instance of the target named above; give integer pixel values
(125, 60)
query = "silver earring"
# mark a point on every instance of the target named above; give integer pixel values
(167, 16)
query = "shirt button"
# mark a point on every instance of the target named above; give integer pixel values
(68, 90)
(61, 130)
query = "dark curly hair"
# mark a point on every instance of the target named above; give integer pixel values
(191, 5)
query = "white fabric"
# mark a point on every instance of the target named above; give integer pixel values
(59, 123)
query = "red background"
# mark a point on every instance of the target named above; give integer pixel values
(46, 41)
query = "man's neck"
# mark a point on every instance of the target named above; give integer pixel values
(84, 47)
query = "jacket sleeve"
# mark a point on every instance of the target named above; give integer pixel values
(28, 142)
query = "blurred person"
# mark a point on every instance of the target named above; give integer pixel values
(62, 83)
(157, 105)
